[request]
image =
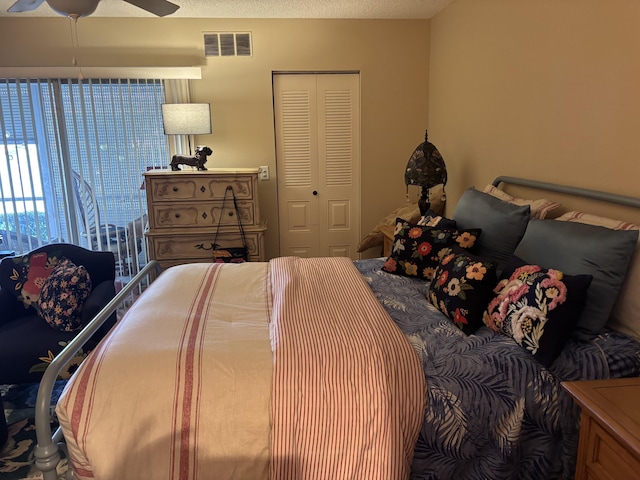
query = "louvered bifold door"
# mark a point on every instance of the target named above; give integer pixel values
(317, 137)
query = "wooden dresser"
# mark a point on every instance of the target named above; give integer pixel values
(609, 428)
(185, 208)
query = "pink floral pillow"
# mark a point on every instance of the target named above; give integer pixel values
(25, 275)
(537, 307)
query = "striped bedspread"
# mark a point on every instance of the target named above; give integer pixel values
(348, 389)
(285, 370)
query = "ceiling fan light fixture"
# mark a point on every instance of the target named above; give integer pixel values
(73, 8)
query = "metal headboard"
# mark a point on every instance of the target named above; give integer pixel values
(581, 192)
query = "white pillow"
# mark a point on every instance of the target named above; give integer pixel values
(539, 208)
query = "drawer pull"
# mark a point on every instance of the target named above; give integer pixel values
(177, 215)
(230, 214)
(175, 189)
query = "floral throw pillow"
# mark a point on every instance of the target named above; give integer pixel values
(537, 307)
(432, 219)
(417, 249)
(27, 274)
(63, 294)
(462, 288)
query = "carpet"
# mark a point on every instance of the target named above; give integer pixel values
(16, 458)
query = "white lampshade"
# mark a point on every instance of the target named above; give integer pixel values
(186, 118)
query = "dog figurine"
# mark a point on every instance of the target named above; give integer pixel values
(198, 160)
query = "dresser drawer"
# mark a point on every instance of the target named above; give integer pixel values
(198, 247)
(179, 215)
(198, 187)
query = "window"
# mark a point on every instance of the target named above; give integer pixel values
(71, 164)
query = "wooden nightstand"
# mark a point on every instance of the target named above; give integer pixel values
(610, 428)
(387, 231)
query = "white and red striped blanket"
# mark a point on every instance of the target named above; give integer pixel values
(348, 389)
(288, 369)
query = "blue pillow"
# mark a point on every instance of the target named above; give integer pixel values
(502, 223)
(578, 248)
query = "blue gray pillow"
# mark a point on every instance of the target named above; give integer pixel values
(503, 224)
(577, 248)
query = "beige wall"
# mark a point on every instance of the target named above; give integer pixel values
(544, 89)
(391, 56)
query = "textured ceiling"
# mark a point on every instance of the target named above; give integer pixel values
(400, 9)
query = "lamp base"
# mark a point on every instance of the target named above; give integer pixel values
(423, 203)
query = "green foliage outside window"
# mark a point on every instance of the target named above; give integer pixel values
(26, 220)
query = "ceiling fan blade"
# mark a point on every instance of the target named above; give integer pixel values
(157, 7)
(25, 5)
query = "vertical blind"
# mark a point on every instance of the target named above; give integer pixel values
(73, 154)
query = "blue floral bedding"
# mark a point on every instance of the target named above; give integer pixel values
(492, 411)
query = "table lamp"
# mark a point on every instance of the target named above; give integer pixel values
(186, 119)
(426, 169)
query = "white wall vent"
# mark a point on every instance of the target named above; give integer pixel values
(223, 44)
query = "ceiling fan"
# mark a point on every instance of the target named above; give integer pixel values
(83, 8)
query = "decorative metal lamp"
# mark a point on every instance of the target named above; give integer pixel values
(186, 119)
(426, 169)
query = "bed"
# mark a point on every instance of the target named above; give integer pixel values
(379, 368)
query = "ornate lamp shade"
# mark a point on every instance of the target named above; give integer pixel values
(426, 169)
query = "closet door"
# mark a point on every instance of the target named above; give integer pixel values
(317, 119)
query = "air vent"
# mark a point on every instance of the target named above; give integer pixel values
(223, 44)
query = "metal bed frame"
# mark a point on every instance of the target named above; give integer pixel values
(575, 191)
(47, 451)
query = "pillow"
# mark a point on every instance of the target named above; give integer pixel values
(502, 224)
(25, 275)
(432, 219)
(625, 316)
(63, 295)
(539, 208)
(462, 287)
(410, 212)
(537, 307)
(576, 248)
(417, 249)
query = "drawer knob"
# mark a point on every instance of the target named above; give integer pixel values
(175, 189)
(177, 215)
(230, 214)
